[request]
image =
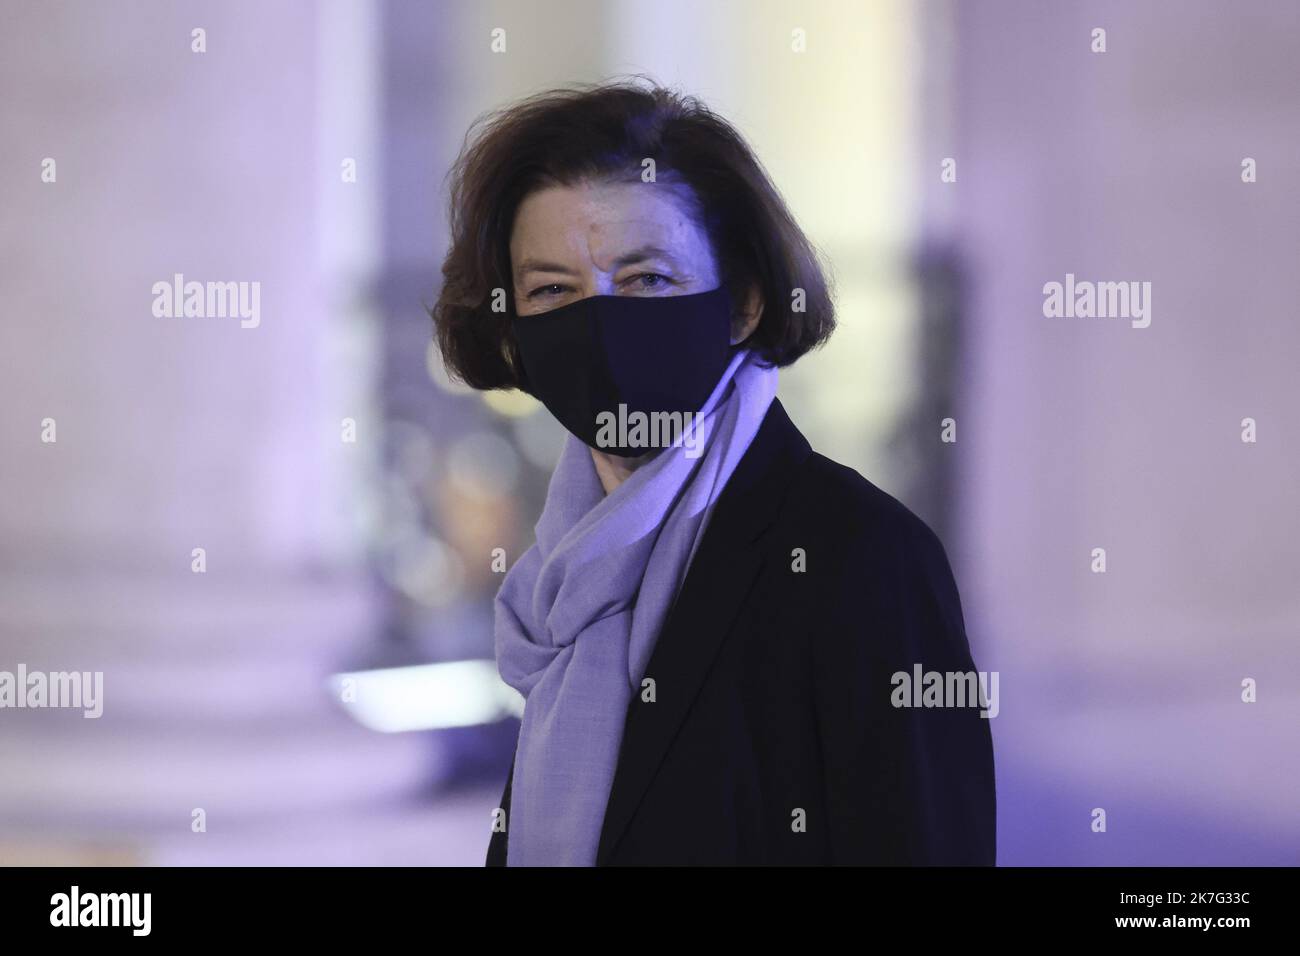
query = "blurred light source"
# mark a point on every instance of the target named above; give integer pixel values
(540, 439)
(483, 463)
(427, 696)
(414, 457)
(438, 372)
(402, 515)
(423, 568)
(511, 404)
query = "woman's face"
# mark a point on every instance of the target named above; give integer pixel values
(633, 238)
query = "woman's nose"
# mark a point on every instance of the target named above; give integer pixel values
(600, 283)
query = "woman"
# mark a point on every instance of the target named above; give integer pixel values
(709, 627)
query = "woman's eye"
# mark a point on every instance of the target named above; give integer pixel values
(553, 289)
(649, 280)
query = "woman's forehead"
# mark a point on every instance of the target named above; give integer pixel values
(604, 223)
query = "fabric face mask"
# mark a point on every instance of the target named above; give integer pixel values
(627, 374)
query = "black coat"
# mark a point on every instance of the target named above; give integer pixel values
(773, 688)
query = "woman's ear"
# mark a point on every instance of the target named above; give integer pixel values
(745, 320)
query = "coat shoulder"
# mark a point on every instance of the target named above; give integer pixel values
(870, 558)
(876, 598)
(836, 504)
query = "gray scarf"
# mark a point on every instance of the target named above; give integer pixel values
(578, 614)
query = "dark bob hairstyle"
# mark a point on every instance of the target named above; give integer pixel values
(602, 132)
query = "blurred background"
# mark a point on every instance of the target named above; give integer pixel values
(323, 692)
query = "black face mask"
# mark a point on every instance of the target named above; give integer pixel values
(650, 355)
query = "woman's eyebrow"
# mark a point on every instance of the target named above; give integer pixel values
(640, 254)
(643, 253)
(539, 265)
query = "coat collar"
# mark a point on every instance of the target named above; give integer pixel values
(717, 582)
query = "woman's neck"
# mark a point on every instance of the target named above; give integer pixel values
(613, 470)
